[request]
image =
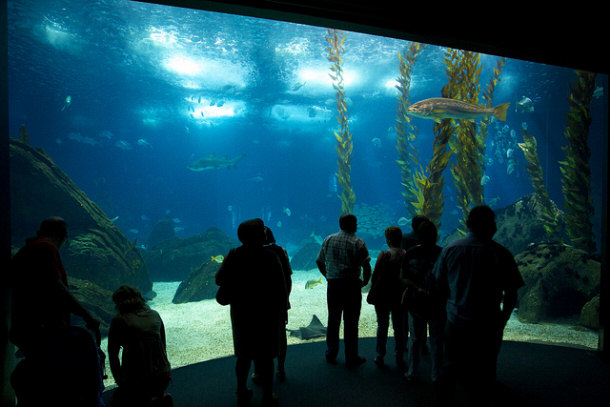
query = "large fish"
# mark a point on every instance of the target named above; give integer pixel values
(212, 162)
(446, 108)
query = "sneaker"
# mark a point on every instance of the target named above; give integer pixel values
(378, 361)
(409, 378)
(271, 401)
(354, 363)
(244, 397)
(256, 379)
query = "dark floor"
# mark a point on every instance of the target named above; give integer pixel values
(530, 375)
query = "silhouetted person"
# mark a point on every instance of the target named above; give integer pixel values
(341, 258)
(385, 294)
(411, 239)
(143, 373)
(40, 326)
(480, 280)
(287, 269)
(254, 278)
(424, 305)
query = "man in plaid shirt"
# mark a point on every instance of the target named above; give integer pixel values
(342, 257)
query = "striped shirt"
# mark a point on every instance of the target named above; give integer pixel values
(344, 255)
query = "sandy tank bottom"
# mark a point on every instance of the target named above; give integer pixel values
(200, 331)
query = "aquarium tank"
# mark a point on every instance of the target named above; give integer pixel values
(154, 131)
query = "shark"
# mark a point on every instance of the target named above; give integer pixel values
(212, 162)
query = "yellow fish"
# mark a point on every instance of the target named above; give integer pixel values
(312, 283)
(218, 259)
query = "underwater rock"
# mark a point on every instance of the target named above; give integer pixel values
(559, 281)
(173, 260)
(199, 285)
(162, 231)
(305, 258)
(520, 224)
(589, 315)
(97, 250)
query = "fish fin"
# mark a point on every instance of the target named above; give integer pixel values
(500, 111)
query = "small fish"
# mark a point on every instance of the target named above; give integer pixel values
(402, 221)
(447, 108)
(485, 179)
(218, 259)
(143, 143)
(312, 283)
(287, 211)
(525, 105)
(67, 103)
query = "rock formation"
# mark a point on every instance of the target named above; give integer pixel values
(96, 251)
(559, 281)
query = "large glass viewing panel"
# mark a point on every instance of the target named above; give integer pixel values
(154, 131)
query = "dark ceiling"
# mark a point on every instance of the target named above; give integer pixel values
(569, 36)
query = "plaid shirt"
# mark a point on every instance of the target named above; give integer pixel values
(344, 255)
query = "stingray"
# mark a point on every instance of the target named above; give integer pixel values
(315, 329)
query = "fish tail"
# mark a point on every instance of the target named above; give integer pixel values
(500, 111)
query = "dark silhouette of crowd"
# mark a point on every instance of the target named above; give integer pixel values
(459, 297)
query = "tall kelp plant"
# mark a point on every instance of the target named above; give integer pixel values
(405, 130)
(429, 189)
(344, 147)
(469, 148)
(576, 182)
(550, 219)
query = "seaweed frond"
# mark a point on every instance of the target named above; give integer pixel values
(336, 39)
(549, 216)
(468, 169)
(405, 130)
(576, 181)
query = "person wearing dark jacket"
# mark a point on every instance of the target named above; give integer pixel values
(479, 279)
(385, 294)
(253, 277)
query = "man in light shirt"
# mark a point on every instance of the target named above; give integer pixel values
(342, 258)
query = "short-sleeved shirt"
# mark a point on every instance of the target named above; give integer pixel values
(344, 255)
(475, 273)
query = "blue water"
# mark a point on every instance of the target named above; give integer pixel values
(155, 88)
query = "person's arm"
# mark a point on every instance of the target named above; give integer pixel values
(508, 305)
(114, 346)
(321, 261)
(76, 307)
(366, 272)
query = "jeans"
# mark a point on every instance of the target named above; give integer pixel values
(344, 299)
(417, 340)
(384, 311)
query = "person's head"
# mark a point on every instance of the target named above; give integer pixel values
(482, 221)
(348, 223)
(269, 238)
(427, 233)
(128, 299)
(251, 232)
(417, 220)
(55, 229)
(393, 236)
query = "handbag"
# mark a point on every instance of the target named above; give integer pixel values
(223, 295)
